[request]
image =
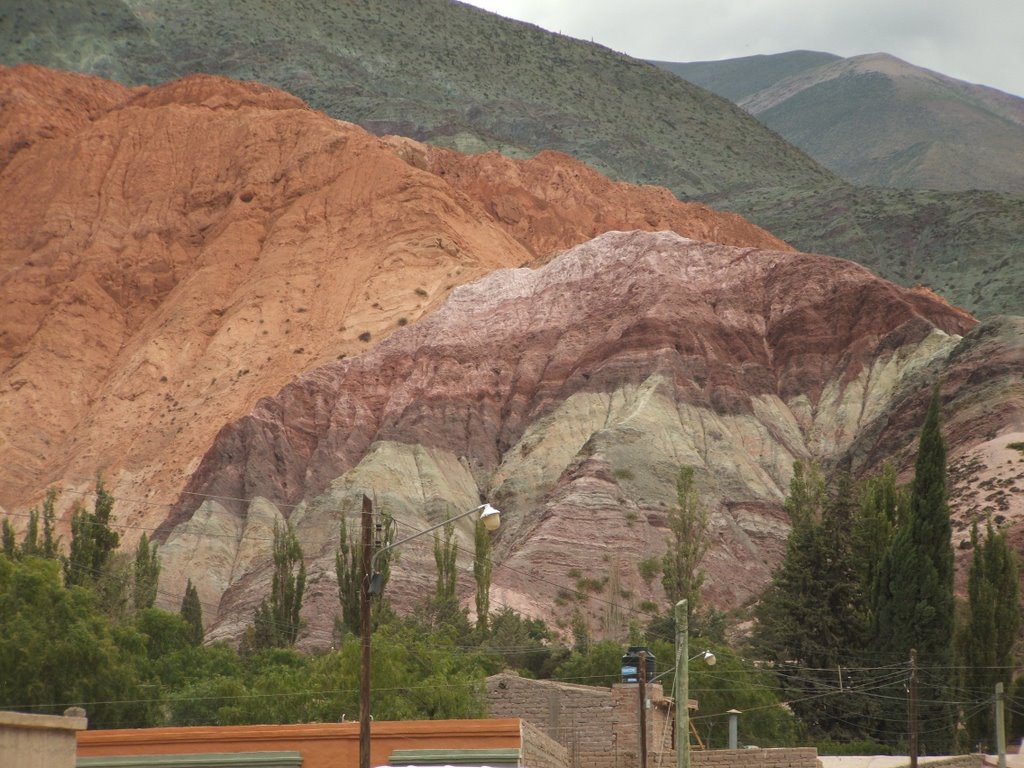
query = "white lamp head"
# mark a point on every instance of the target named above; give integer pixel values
(490, 517)
(709, 658)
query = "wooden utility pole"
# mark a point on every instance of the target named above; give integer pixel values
(913, 708)
(682, 685)
(642, 686)
(365, 632)
(1000, 725)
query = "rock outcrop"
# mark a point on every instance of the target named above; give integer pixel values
(171, 254)
(569, 395)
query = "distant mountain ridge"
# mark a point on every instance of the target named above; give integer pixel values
(877, 120)
(735, 79)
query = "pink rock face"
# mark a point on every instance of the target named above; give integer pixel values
(739, 344)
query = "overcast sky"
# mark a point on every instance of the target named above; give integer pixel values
(980, 41)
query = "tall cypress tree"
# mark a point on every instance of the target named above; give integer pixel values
(988, 636)
(913, 596)
(811, 619)
(884, 507)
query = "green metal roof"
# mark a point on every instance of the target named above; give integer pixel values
(204, 760)
(493, 758)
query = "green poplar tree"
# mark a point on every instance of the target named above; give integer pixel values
(993, 621)
(276, 621)
(349, 568)
(444, 558)
(688, 525)
(348, 563)
(30, 544)
(482, 567)
(50, 547)
(10, 539)
(146, 574)
(913, 596)
(445, 606)
(92, 540)
(192, 613)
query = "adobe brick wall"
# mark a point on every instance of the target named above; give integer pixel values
(538, 750)
(600, 727)
(576, 716)
(788, 757)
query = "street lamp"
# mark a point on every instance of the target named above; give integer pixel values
(683, 683)
(708, 656)
(489, 516)
(373, 584)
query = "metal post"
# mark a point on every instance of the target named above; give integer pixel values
(734, 728)
(682, 686)
(642, 687)
(365, 632)
(1000, 725)
(913, 708)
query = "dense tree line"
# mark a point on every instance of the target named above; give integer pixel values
(866, 577)
(71, 637)
(867, 581)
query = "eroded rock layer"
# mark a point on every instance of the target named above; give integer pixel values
(171, 254)
(569, 395)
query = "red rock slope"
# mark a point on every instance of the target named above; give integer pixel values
(169, 255)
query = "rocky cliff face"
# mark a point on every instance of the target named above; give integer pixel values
(244, 312)
(170, 255)
(568, 395)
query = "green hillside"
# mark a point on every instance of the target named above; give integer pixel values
(877, 120)
(434, 70)
(451, 74)
(735, 79)
(966, 246)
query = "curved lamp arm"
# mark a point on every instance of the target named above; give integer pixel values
(489, 516)
(708, 656)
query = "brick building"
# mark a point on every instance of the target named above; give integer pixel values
(600, 727)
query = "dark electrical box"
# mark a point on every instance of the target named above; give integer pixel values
(631, 663)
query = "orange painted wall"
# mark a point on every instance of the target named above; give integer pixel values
(323, 745)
